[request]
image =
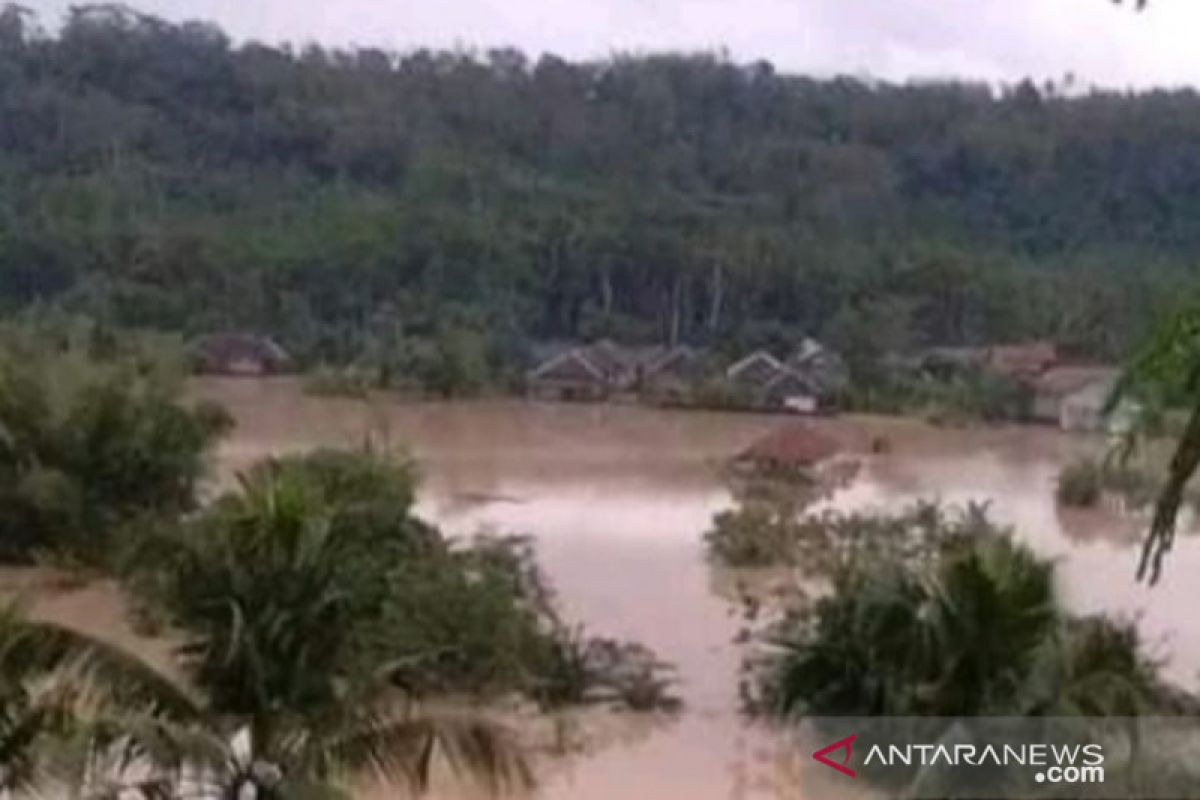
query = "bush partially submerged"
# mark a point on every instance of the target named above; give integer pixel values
(475, 619)
(768, 530)
(976, 627)
(1084, 482)
(1080, 484)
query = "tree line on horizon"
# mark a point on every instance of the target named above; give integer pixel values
(471, 203)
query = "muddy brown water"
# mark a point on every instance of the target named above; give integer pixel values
(617, 498)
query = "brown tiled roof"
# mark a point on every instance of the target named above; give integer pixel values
(1022, 359)
(795, 444)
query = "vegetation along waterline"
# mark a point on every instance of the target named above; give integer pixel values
(431, 218)
(321, 631)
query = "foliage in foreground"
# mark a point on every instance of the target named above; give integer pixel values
(321, 619)
(1167, 373)
(93, 437)
(68, 701)
(445, 618)
(326, 635)
(973, 628)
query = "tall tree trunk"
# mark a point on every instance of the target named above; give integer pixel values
(1184, 464)
(606, 290)
(717, 297)
(676, 291)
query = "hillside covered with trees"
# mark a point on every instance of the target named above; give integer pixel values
(363, 204)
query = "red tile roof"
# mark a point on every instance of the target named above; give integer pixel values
(795, 444)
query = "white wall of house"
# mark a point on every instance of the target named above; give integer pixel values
(1083, 410)
(800, 404)
(1047, 407)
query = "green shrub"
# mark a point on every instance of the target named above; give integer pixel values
(974, 628)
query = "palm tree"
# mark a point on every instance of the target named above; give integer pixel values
(276, 597)
(979, 631)
(58, 685)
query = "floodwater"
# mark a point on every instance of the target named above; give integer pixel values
(617, 498)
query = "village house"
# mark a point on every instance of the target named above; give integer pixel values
(805, 388)
(671, 376)
(754, 371)
(239, 354)
(605, 369)
(1075, 397)
(824, 369)
(569, 375)
(766, 383)
(792, 447)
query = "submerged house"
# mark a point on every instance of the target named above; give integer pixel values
(1075, 397)
(239, 354)
(606, 369)
(796, 446)
(755, 370)
(769, 383)
(671, 375)
(825, 370)
(569, 375)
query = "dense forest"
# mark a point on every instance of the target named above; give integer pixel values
(358, 201)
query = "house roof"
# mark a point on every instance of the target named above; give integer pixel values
(615, 359)
(760, 368)
(809, 350)
(673, 359)
(571, 365)
(608, 356)
(605, 360)
(1061, 381)
(547, 350)
(788, 379)
(794, 444)
(223, 347)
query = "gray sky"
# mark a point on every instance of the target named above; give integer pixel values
(897, 39)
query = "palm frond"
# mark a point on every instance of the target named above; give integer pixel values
(404, 749)
(1168, 369)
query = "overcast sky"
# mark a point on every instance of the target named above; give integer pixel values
(898, 39)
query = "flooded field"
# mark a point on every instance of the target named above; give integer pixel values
(617, 499)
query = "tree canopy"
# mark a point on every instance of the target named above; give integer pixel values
(435, 208)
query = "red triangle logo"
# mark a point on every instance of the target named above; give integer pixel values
(840, 744)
